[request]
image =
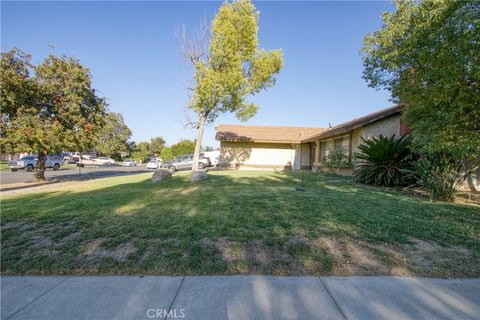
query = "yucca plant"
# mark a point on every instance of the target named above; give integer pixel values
(441, 175)
(384, 161)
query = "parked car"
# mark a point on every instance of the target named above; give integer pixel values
(154, 164)
(29, 163)
(185, 162)
(129, 163)
(103, 160)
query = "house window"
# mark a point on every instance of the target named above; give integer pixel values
(337, 144)
(340, 144)
(323, 150)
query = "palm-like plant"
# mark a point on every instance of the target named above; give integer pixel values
(384, 161)
(441, 175)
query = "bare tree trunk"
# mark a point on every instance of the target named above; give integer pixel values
(198, 143)
(40, 173)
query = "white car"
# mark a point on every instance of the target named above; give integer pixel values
(154, 164)
(129, 163)
(103, 160)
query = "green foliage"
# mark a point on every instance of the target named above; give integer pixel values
(337, 159)
(233, 69)
(138, 156)
(427, 54)
(54, 110)
(184, 146)
(113, 137)
(166, 154)
(236, 67)
(141, 151)
(384, 161)
(441, 175)
(156, 145)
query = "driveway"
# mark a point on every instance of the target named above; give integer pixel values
(237, 297)
(22, 176)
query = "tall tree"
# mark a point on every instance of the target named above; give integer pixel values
(232, 69)
(141, 152)
(114, 135)
(156, 145)
(427, 54)
(55, 110)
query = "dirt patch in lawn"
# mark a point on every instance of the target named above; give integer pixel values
(428, 253)
(433, 259)
(360, 258)
(95, 251)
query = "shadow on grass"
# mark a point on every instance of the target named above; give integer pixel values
(234, 222)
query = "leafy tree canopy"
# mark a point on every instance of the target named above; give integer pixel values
(184, 146)
(156, 145)
(427, 54)
(234, 68)
(166, 154)
(47, 108)
(113, 137)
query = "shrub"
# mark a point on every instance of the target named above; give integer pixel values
(337, 159)
(441, 175)
(384, 161)
(166, 154)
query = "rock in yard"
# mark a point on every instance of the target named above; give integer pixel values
(161, 174)
(199, 175)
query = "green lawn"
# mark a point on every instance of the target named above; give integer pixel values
(3, 165)
(236, 223)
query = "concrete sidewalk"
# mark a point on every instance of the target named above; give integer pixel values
(237, 297)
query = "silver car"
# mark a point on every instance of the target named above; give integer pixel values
(185, 162)
(129, 163)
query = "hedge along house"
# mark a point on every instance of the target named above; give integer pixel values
(348, 136)
(265, 147)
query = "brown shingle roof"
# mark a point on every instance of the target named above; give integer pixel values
(356, 123)
(275, 134)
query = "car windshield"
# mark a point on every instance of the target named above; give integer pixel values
(27, 158)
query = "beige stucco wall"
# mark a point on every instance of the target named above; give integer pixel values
(251, 155)
(386, 127)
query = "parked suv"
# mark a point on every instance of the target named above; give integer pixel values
(72, 157)
(30, 162)
(185, 162)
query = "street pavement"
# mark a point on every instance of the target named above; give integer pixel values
(22, 176)
(237, 297)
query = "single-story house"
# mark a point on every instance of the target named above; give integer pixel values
(275, 147)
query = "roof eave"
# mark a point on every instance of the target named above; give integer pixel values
(340, 131)
(260, 141)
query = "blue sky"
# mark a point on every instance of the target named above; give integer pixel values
(130, 48)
